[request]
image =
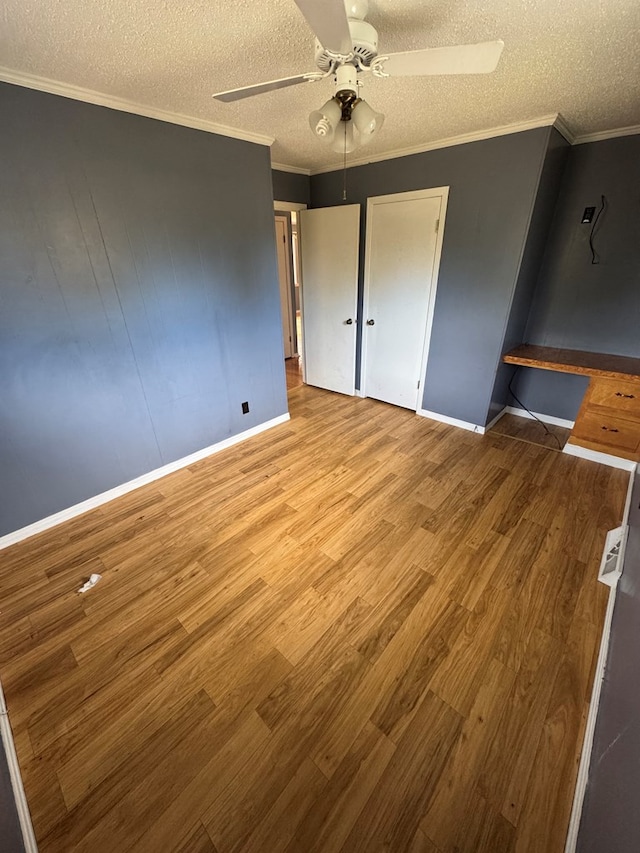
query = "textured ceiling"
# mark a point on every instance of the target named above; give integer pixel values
(579, 58)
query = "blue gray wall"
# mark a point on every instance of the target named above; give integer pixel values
(493, 186)
(577, 304)
(610, 816)
(288, 186)
(541, 219)
(139, 302)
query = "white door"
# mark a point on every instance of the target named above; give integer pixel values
(284, 274)
(329, 239)
(402, 254)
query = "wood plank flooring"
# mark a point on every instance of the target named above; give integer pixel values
(531, 430)
(360, 631)
(293, 371)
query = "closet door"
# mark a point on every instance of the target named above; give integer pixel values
(403, 248)
(329, 239)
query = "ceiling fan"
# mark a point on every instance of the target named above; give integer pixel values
(347, 47)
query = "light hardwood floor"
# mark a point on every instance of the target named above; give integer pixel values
(360, 631)
(293, 371)
(531, 430)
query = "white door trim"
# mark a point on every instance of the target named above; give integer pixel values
(289, 205)
(288, 284)
(296, 207)
(22, 807)
(435, 192)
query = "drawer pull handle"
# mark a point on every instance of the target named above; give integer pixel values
(626, 396)
(608, 429)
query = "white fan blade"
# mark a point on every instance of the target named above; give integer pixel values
(463, 59)
(259, 88)
(328, 20)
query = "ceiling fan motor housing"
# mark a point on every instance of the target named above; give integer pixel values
(364, 38)
(346, 88)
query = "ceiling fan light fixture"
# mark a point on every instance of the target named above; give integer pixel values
(367, 121)
(357, 9)
(324, 122)
(344, 141)
(346, 47)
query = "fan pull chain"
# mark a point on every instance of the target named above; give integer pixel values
(344, 170)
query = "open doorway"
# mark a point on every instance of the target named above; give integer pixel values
(286, 279)
(288, 247)
(295, 246)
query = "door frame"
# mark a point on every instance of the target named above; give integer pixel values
(434, 192)
(296, 207)
(288, 206)
(283, 218)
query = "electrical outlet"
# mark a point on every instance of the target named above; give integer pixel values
(245, 408)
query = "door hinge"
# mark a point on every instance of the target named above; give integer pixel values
(418, 386)
(437, 225)
(284, 239)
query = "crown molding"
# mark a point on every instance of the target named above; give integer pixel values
(89, 96)
(557, 121)
(563, 129)
(462, 139)
(296, 170)
(608, 134)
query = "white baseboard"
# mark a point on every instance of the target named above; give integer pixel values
(28, 836)
(597, 456)
(495, 420)
(445, 419)
(118, 491)
(589, 732)
(575, 449)
(590, 728)
(546, 419)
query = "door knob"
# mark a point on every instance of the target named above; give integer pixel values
(348, 322)
(371, 322)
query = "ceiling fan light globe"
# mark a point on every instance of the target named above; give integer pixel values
(367, 121)
(323, 122)
(357, 9)
(344, 140)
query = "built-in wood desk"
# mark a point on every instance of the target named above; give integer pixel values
(609, 417)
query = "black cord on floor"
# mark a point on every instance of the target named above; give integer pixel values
(535, 417)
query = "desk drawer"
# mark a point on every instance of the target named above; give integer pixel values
(606, 429)
(616, 394)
